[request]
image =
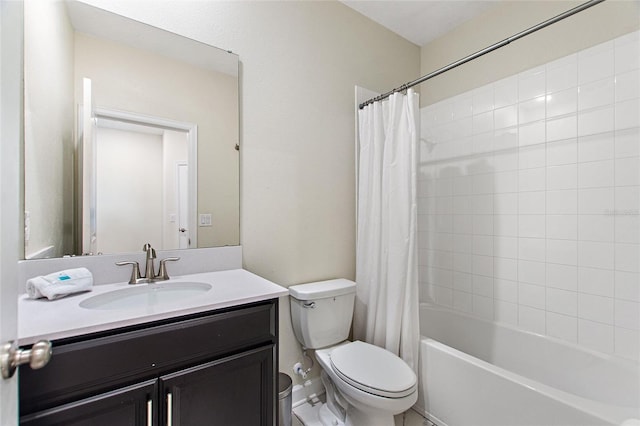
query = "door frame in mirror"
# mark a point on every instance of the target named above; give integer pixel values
(87, 234)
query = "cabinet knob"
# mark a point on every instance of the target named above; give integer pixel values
(11, 356)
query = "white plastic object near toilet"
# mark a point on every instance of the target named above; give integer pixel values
(365, 385)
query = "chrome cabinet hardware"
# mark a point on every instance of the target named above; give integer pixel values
(150, 412)
(11, 356)
(169, 409)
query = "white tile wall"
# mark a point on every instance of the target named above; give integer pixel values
(529, 208)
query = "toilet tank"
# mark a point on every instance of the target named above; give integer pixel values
(321, 312)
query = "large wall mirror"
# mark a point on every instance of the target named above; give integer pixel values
(131, 135)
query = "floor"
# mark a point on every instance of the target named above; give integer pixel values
(412, 418)
(408, 418)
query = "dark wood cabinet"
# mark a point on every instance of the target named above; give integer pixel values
(214, 368)
(129, 406)
(231, 391)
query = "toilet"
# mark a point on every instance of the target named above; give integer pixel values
(365, 385)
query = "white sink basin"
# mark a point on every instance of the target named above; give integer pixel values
(145, 295)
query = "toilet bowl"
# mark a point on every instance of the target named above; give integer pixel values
(365, 385)
(374, 382)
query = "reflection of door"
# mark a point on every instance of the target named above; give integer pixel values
(129, 189)
(177, 142)
(183, 205)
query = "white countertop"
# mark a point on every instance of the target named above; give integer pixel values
(62, 318)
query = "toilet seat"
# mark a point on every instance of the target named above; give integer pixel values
(373, 369)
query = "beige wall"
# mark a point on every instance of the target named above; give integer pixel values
(148, 85)
(300, 62)
(49, 137)
(602, 22)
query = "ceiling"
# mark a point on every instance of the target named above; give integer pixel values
(420, 21)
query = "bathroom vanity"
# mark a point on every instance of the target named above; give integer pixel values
(213, 360)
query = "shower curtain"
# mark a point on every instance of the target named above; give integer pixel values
(386, 312)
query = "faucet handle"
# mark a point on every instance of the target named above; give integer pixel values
(162, 273)
(135, 271)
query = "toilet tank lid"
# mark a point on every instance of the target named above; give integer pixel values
(322, 289)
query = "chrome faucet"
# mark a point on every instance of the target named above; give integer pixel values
(149, 273)
(151, 257)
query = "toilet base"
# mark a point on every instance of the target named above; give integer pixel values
(309, 414)
(354, 418)
(327, 418)
(337, 411)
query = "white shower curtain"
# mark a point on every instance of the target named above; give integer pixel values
(386, 312)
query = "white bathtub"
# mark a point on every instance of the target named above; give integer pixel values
(476, 372)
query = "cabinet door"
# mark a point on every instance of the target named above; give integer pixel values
(237, 390)
(128, 406)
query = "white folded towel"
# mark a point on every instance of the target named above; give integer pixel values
(60, 284)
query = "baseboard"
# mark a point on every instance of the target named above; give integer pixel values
(301, 393)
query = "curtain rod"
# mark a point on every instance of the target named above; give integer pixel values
(484, 51)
